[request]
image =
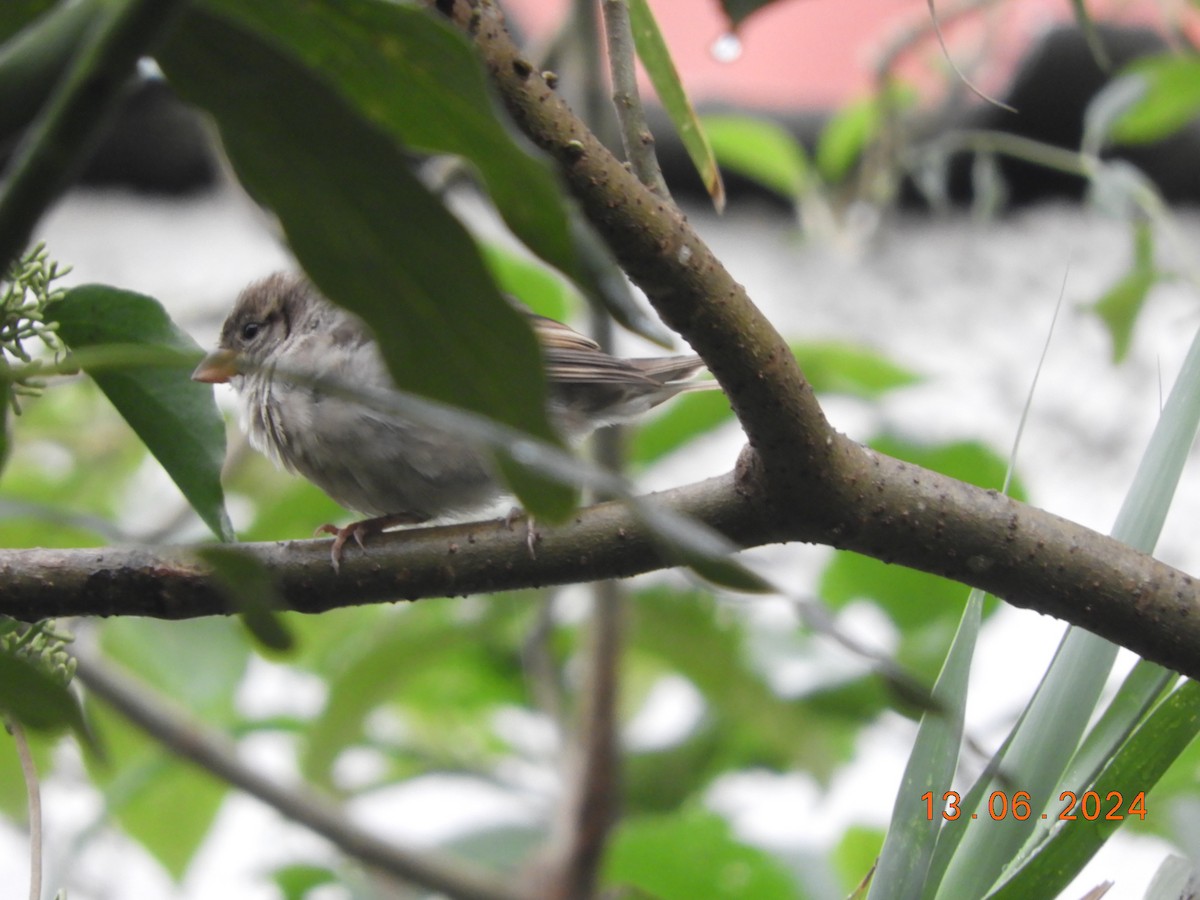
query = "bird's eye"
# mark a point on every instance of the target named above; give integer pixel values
(250, 330)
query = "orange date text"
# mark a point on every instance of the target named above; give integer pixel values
(1000, 805)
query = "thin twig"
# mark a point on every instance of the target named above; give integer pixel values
(914, 34)
(588, 807)
(594, 766)
(593, 769)
(636, 136)
(34, 801)
(198, 744)
(937, 29)
(537, 662)
(583, 28)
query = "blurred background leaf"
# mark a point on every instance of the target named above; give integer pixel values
(691, 855)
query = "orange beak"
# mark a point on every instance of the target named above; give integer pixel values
(217, 368)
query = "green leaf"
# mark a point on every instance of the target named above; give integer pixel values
(844, 137)
(912, 599)
(17, 14)
(759, 149)
(164, 803)
(834, 367)
(32, 62)
(851, 129)
(417, 79)
(856, 854)
(1119, 308)
(912, 834)
(1141, 689)
(541, 289)
(251, 591)
(656, 58)
(5, 424)
(1121, 303)
(686, 418)
(755, 726)
(295, 882)
(338, 184)
(690, 855)
(176, 418)
(971, 859)
(1149, 752)
(37, 699)
(450, 671)
(74, 504)
(199, 663)
(1165, 96)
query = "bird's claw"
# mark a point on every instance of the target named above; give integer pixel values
(340, 537)
(360, 531)
(531, 535)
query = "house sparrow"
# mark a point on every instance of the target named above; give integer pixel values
(395, 471)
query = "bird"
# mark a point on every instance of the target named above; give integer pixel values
(284, 343)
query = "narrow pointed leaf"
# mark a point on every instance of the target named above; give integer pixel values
(912, 834)
(971, 861)
(1091, 34)
(1135, 770)
(652, 51)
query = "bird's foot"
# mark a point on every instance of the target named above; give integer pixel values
(360, 531)
(531, 535)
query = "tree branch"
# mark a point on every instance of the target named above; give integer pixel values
(902, 514)
(605, 541)
(818, 485)
(688, 286)
(636, 136)
(213, 753)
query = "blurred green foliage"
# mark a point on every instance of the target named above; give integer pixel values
(426, 688)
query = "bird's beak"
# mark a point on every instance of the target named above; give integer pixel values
(217, 368)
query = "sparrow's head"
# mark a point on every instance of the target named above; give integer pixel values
(265, 314)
